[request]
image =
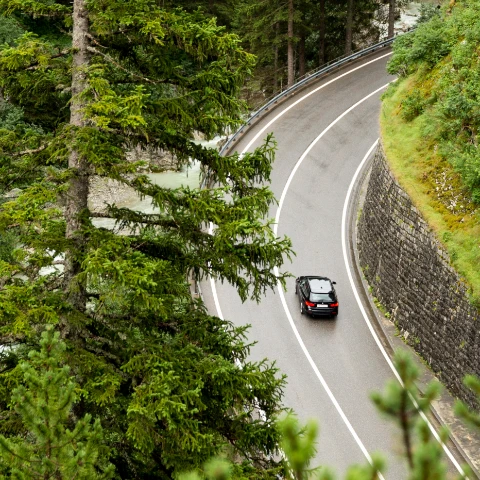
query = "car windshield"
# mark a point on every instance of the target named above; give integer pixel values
(322, 297)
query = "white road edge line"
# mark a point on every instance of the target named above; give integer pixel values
(364, 313)
(255, 138)
(279, 287)
(277, 218)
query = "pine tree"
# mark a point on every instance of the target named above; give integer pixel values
(55, 447)
(401, 402)
(349, 28)
(263, 27)
(171, 384)
(279, 33)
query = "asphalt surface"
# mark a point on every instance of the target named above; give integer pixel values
(332, 365)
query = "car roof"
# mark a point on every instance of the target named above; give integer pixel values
(320, 284)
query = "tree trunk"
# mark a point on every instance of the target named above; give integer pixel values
(349, 28)
(77, 194)
(301, 54)
(321, 33)
(290, 53)
(391, 17)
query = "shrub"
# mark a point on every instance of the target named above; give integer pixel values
(412, 106)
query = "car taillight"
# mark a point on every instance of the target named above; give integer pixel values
(309, 304)
(334, 304)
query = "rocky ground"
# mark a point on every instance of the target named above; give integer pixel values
(105, 191)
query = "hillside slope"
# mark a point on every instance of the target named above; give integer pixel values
(430, 121)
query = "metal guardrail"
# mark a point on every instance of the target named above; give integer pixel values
(308, 77)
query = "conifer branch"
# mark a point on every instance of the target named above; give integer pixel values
(104, 353)
(6, 446)
(132, 74)
(38, 9)
(35, 66)
(56, 282)
(29, 152)
(138, 218)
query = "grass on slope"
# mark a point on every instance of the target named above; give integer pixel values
(433, 185)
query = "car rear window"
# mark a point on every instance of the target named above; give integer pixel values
(321, 297)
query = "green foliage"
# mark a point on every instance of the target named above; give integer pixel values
(442, 58)
(432, 42)
(11, 117)
(9, 30)
(427, 45)
(427, 11)
(413, 106)
(298, 446)
(170, 383)
(400, 63)
(401, 402)
(56, 447)
(370, 471)
(8, 243)
(470, 416)
(218, 469)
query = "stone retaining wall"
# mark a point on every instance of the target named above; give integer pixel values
(411, 276)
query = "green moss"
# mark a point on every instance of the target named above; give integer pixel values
(433, 185)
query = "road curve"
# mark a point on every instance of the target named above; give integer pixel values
(332, 366)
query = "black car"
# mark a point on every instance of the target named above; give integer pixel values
(317, 296)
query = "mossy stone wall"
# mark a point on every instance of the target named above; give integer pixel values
(411, 275)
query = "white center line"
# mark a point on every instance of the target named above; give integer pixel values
(277, 219)
(279, 287)
(262, 131)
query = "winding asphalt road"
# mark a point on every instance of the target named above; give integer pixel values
(323, 134)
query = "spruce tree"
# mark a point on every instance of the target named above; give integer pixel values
(56, 447)
(401, 402)
(279, 33)
(94, 82)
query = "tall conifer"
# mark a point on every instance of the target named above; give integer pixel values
(95, 84)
